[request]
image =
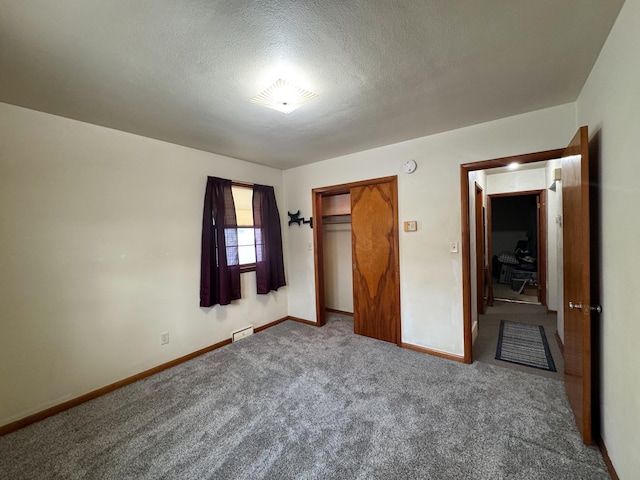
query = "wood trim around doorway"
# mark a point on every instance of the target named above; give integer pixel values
(466, 234)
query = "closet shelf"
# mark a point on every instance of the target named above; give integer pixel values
(331, 219)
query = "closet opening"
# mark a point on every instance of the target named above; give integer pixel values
(336, 234)
(356, 241)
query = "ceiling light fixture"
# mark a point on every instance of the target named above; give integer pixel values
(283, 96)
(513, 165)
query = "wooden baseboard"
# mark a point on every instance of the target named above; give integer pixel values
(607, 460)
(560, 344)
(341, 312)
(264, 327)
(302, 320)
(36, 417)
(435, 353)
(284, 319)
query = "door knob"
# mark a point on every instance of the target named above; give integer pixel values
(578, 306)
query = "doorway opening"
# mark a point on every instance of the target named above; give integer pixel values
(478, 170)
(515, 267)
(517, 245)
(575, 289)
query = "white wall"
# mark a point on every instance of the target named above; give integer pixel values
(554, 247)
(99, 253)
(479, 177)
(430, 276)
(517, 180)
(610, 105)
(338, 272)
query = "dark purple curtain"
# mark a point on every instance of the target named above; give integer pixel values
(268, 235)
(220, 267)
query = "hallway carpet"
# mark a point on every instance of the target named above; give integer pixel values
(484, 348)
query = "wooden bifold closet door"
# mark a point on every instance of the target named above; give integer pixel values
(376, 279)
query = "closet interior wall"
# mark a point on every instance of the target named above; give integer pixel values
(337, 253)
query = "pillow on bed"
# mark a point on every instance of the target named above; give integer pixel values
(508, 258)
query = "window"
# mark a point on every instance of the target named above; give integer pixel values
(243, 200)
(230, 224)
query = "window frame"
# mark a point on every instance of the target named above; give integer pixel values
(247, 267)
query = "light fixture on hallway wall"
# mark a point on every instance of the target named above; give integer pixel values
(513, 165)
(283, 96)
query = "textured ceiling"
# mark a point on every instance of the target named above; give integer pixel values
(385, 71)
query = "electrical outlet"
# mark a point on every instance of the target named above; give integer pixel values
(164, 338)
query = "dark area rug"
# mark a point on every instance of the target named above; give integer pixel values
(524, 344)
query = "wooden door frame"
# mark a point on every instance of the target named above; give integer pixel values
(541, 234)
(317, 195)
(480, 258)
(466, 231)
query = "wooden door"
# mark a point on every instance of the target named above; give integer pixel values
(376, 279)
(480, 258)
(577, 281)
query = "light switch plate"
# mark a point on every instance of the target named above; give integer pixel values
(453, 247)
(411, 226)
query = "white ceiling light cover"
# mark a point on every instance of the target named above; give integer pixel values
(283, 96)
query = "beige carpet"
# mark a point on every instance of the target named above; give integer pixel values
(301, 402)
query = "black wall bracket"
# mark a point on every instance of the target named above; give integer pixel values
(295, 218)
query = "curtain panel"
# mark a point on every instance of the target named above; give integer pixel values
(268, 237)
(220, 266)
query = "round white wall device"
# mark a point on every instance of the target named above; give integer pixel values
(409, 166)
